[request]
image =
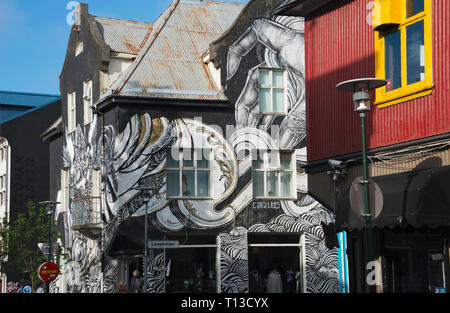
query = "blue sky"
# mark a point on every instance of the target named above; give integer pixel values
(34, 36)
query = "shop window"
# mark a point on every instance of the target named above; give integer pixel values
(87, 102)
(273, 174)
(192, 266)
(403, 50)
(272, 91)
(71, 112)
(188, 173)
(276, 263)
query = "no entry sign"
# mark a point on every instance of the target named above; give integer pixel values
(48, 272)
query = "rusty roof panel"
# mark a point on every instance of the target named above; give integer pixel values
(173, 67)
(225, 13)
(123, 36)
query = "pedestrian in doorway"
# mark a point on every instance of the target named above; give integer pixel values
(136, 283)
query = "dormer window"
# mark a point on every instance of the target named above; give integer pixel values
(79, 48)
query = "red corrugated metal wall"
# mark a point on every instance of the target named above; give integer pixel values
(340, 46)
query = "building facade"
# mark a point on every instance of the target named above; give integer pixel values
(177, 144)
(404, 43)
(24, 159)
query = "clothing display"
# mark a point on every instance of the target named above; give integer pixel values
(274, 283)
(256, 282)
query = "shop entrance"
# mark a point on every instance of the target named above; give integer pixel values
(275, 263)
(415, 261)
(192, 266)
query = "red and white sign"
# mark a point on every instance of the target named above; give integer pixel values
(48, 272)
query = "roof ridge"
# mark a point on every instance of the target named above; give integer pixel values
(120, 19)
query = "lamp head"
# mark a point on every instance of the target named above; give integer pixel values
(360, 88)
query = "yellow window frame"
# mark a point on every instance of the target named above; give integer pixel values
(405, 92)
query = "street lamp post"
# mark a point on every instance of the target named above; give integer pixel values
(50, 207)
(361, 98)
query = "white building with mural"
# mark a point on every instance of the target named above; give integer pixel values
(193, 125)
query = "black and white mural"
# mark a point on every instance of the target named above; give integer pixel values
(133, 163)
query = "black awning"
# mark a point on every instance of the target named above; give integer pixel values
(418, 198)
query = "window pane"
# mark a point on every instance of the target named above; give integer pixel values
(202, 157)
(278, 79)
(203, 183)
(393, 61)
(264, 77)
(414, 7)
(273, 159)
(272, 184)
(286, 184)
(259, 162)
(188, 183)
(258, 184)
(173, 156)
(188, 157)
(415, 53)
(285, 159)
(264, 100)
(173, 184)
(278, 101)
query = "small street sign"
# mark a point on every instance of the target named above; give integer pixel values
(163, 244)
(48, 272)
(44, 248)
(27, 289)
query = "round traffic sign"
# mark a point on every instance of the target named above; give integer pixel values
(357, 197)
(26, 289)
(48, 272)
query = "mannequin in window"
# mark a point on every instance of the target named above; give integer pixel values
(274, 283)
(256, 282)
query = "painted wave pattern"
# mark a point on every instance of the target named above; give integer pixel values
(321, 262)
(234, 261)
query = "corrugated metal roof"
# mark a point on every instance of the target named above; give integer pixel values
(123, 36)
(24, 99)
(171, 65)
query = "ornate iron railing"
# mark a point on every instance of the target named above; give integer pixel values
(86, 211)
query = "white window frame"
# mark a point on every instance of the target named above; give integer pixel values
(65, 191)
(267, 169)
(87, 102)
(71, 112)
(96, 192)
(181, 168)
(271, 87)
